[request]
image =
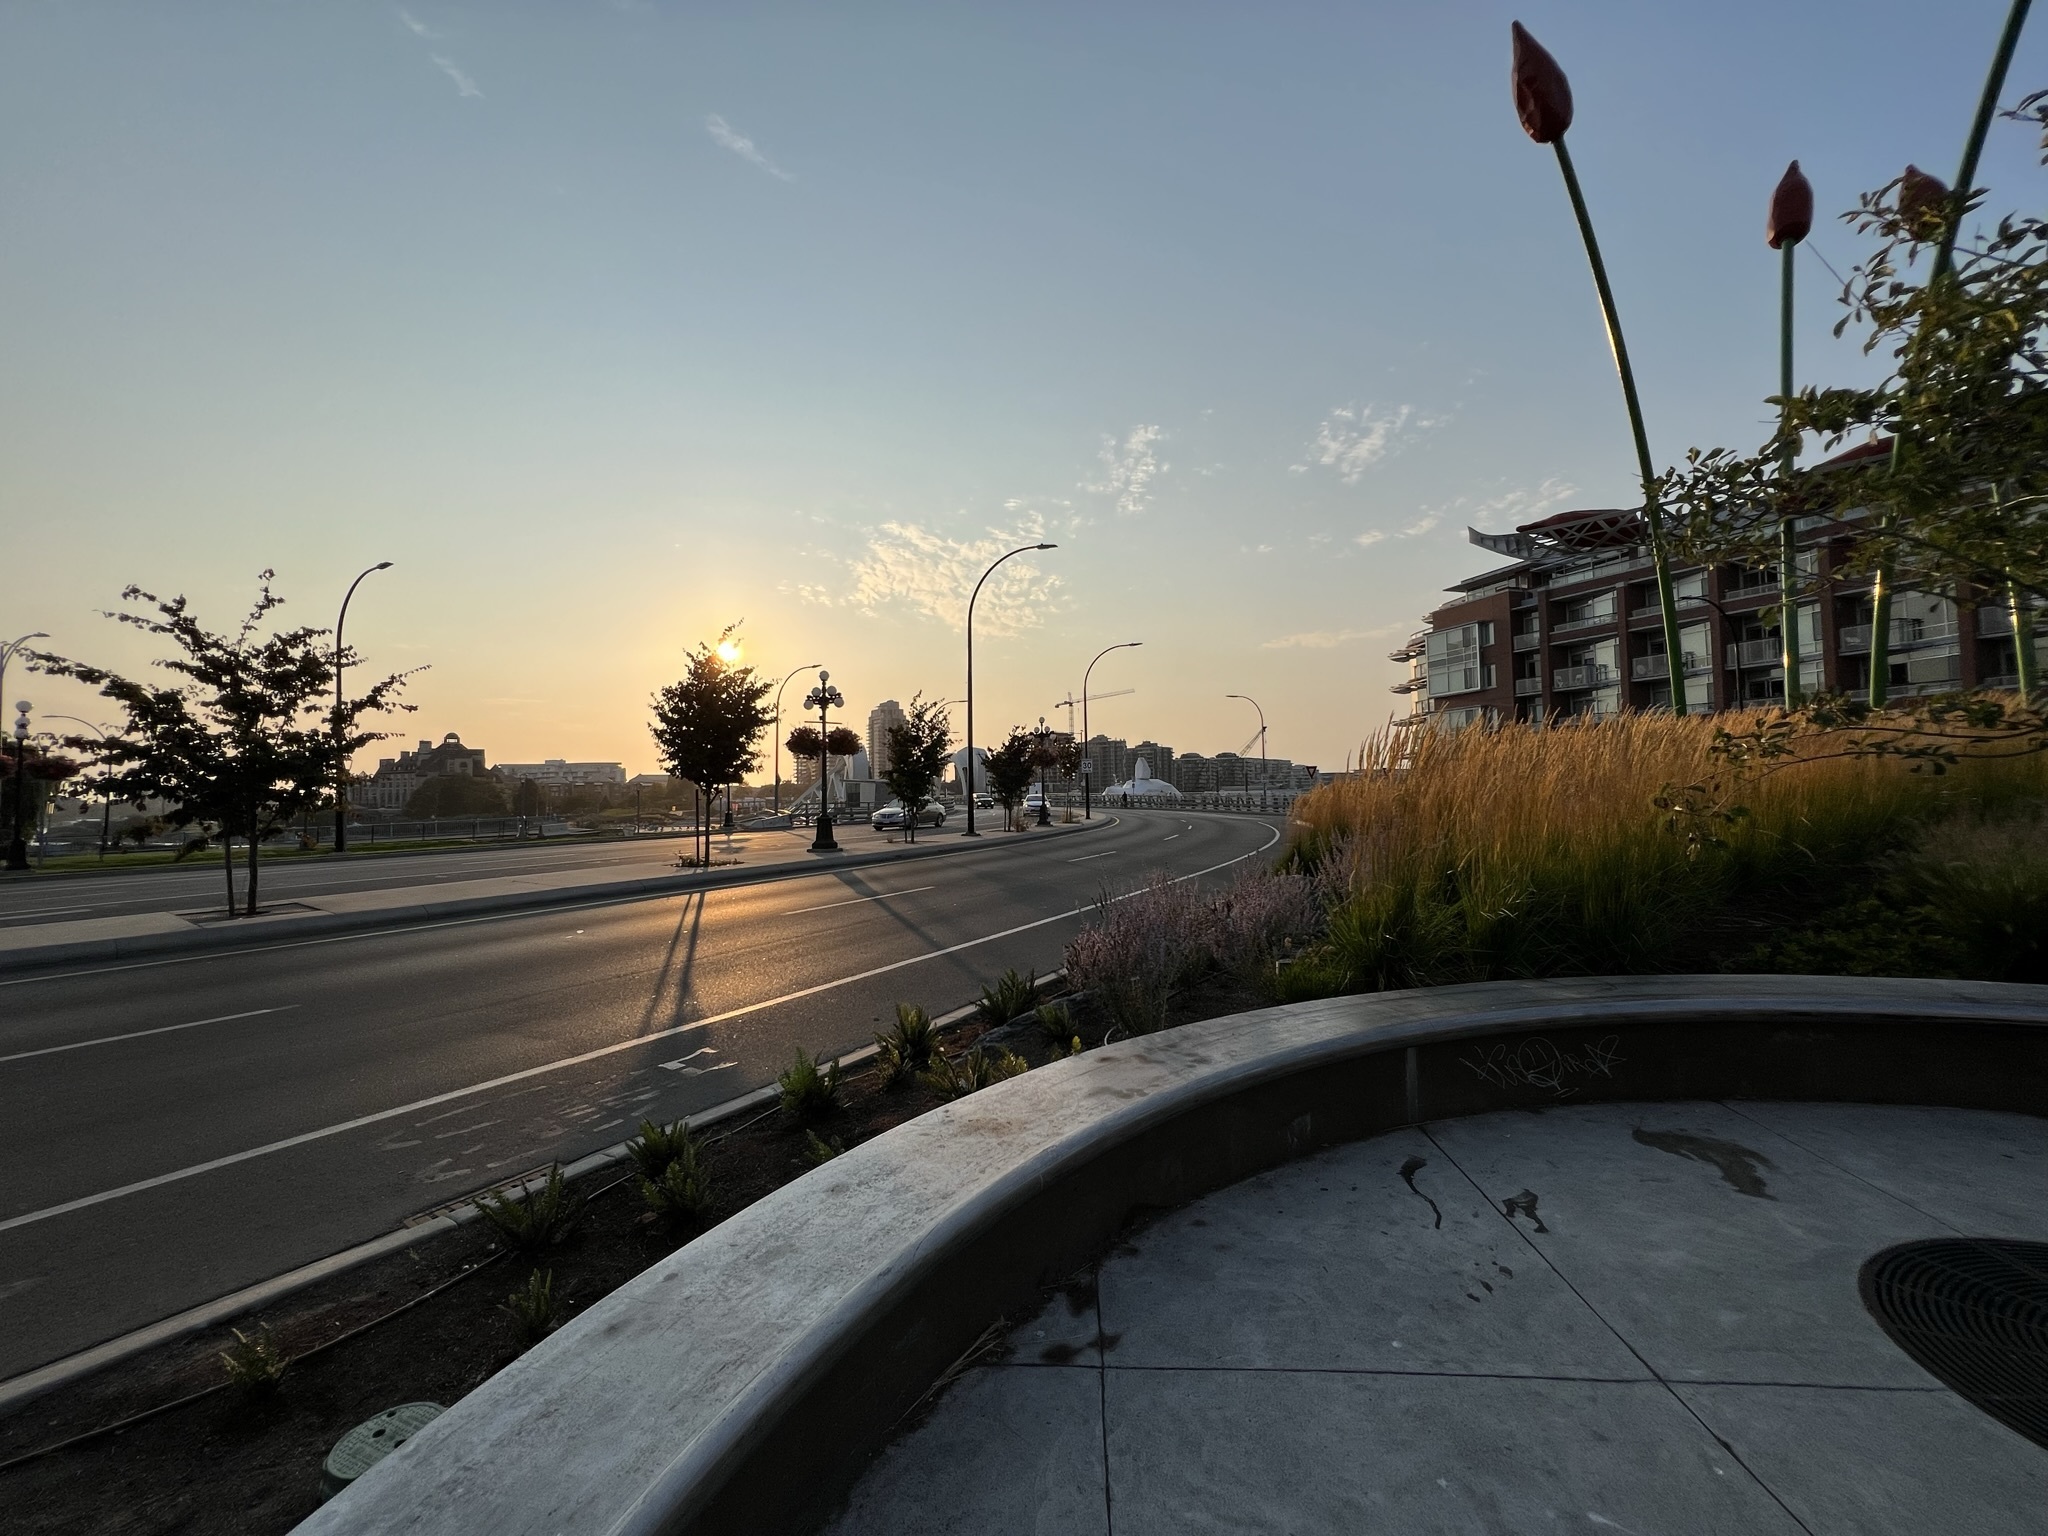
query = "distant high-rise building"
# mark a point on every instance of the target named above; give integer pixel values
(880, 718)
(1108, 759)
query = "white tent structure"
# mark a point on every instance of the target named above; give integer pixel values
(1141, 789)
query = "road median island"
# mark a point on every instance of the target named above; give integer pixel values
(151, 934)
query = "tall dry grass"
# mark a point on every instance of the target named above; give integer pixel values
(1611, 847)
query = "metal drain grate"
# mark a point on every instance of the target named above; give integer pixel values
(1973, 1313)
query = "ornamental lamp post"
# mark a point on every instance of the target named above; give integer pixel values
(340, 753)
(1044, 762)
(106, 802)
(824, 698)
(17, 844)
(1262, 743)
(1086, 813)
(1791, 221)
(1020, 550)
(809, 666)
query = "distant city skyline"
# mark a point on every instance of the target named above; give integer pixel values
(612, 325)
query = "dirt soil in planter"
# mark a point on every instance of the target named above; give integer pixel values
(228, 1463)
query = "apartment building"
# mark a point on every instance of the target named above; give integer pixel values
(1571, 626)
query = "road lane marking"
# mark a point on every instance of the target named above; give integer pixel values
(378, 1117)
(137, 1034)
(828, 906)
(45, 912)
(1087, 856)
(1170, 837)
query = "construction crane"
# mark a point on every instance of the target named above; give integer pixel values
(1070, 703)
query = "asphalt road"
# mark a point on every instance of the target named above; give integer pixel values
(179, 1128)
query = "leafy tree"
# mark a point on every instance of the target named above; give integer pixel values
(247, 739)
(457, 794)
(917, 757)
(1008, 770)
(42, 771)
(707, 724)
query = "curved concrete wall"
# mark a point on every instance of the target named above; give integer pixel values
(741, 1384)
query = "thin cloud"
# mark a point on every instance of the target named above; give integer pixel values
(415, 26)
(728, 137)
(910, 567)
(1414, 530)
(464, 85)
(1328, 639)
(1353, 438)
(1130, 467)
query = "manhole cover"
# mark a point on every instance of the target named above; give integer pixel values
(371, 1441)
(1973, 1313)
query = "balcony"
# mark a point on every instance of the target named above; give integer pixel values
(1905, 634)
(1756, 586)
(1526, 687)
(1594, 676)
(1584, 621)
(1655, 611)
(1409, 685)
(1641, 667)
(1757, 653)
(1993, 622)
(1528, 639)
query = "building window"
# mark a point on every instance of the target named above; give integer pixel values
(1453, 656)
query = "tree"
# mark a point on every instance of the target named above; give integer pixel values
(707, 724)
(247, 740)
(1008, 770)
(42, 772)
(917, 757)
(456, 794)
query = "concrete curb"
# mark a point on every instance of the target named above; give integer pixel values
(843, 1296)
(327, 924)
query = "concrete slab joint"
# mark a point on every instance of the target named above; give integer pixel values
(800, 1333)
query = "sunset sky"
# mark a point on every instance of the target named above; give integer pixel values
(611, 324)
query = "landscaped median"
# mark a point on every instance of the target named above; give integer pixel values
(141, 934)
(742, 1383)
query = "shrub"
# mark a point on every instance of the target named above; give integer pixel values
(908, 1047)
(810, 1089)
(1010, 997)
(256, 1365)
(973, 1072)
(1138, 951)
(533, 1308)
(820, 1149)
(1055, 1022)
(534, 1220)
(682, 1191)
(659, 1145)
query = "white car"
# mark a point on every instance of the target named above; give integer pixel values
(891, 817)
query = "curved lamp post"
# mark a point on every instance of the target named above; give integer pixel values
(17, 843)
(106, 804)
(1020, 550)
(1262, 743)
(809, 666)
(822, 698)
(1086, 813)
(340, 756)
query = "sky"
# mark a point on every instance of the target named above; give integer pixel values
(611, 324)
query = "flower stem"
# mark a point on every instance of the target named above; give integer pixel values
(1653, 514)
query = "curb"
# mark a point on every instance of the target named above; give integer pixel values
(17, 1390)
(326, 924)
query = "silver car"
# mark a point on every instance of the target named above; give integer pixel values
(892, 817)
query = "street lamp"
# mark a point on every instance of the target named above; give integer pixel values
(1262, 743)
(106, 801)
(823, 698)
(1086, 761)
(809, 666)
(1044, 738)
(340, 754)
(17, 845)
(1024, 549)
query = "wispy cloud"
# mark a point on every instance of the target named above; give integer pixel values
(1329, 639)
(464, 85)
(1414, 530)
(415, 26)
(724, 134)
(908, 567)
(1353, 438)
(1523, 504)
(1130, 467)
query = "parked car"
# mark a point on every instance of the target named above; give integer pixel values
(893, 816)
(984, 802)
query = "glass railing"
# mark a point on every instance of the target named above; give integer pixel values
(1594, 676)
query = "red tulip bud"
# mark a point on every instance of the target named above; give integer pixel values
(1543, 97)
(1922, 199)
(1791, 209)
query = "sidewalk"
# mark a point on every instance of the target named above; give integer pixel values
(756, 856)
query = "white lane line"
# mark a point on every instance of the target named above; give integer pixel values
(177, 1175)
(1087, 856)
(45, 912)
(1170, 837)
(856, 901)
(137, 1034)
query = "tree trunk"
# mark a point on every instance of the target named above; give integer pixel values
(227, 863)
(255, 842)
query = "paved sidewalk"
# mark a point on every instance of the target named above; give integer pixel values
(752, 855)
(1632, 1319)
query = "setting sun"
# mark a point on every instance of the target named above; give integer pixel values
(728, 651)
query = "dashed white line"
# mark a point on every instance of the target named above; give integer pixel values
(137, 1034)
(856, 901)
(45, 912)
(1087, 856)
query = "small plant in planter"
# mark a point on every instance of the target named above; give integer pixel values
(810, 1088)
(1011, 996)
(1055, 1022)
(534, 1220)
(255, 1365)
(682, 1190)
(822, 1149)
(907, 1048)
(659, 1145)
(971, 1073)
(534, 1308)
